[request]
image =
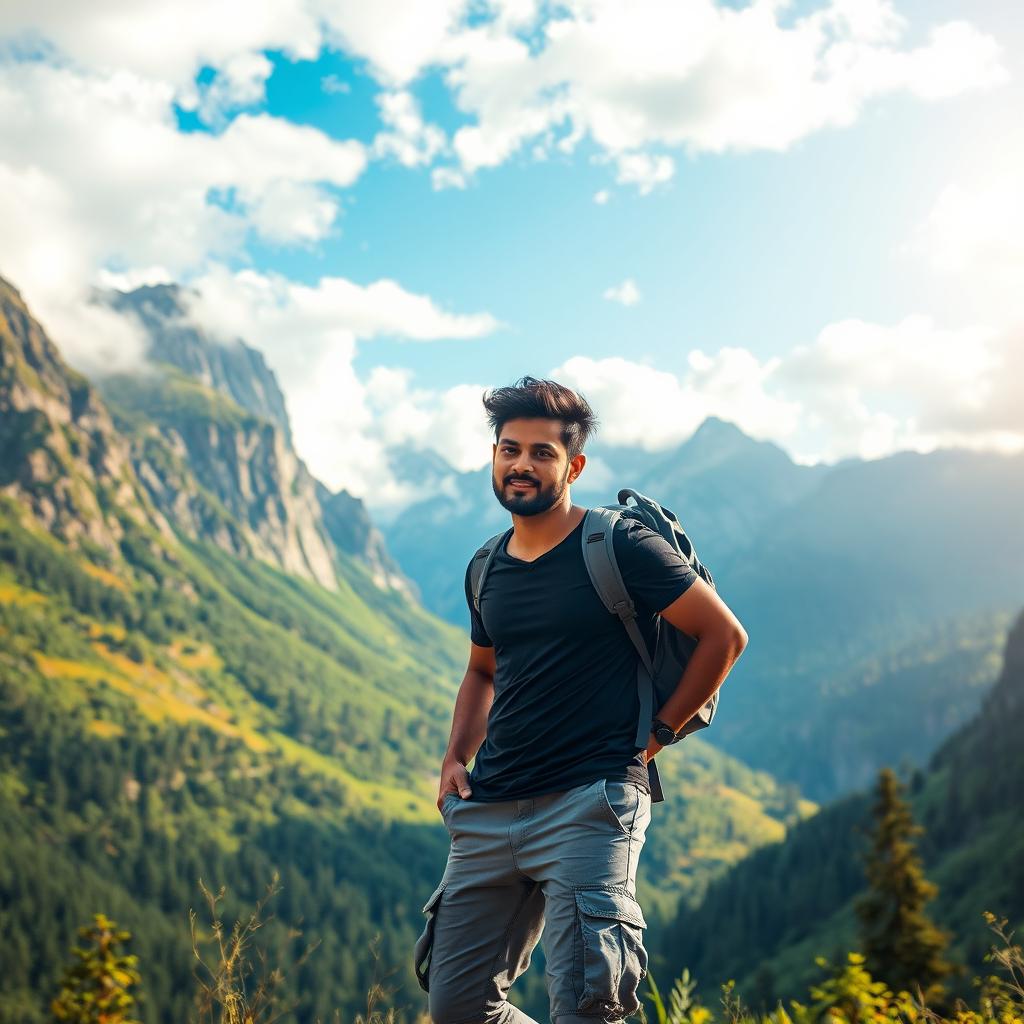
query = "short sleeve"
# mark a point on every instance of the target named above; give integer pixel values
(655, 573)
(477, 633)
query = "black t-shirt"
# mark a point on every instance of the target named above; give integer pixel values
(565, 704)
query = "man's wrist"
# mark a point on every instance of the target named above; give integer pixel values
(662, 732)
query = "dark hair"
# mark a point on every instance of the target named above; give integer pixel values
(530, 398)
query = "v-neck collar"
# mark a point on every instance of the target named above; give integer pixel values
(522, 561)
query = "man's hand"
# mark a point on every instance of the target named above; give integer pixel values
(454, 779)
(653, 746)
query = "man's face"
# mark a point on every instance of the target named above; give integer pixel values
(531, 466)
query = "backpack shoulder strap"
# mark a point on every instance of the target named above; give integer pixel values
(599, 558)
(482, 563)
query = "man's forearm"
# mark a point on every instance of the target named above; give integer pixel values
(469, 719)
(711, 661)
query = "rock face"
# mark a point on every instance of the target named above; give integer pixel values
(199, 445)
(221, 417)
(60, 455)
(349, 526)
(232, 368)
(220, 474)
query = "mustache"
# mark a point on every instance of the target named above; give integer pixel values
(521, 479)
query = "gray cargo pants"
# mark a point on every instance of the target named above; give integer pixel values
(564, 863)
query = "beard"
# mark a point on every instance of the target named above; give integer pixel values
(528, 503)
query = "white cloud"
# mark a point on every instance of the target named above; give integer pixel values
(241, 82)
(335, 85)
(643, 170)
(447, 177)
(654, 409)
(859, 389)
(165, 41)
(626, 293)
(870, 388)
(95, 175)
(451, 422)
(408, 138)
(637, 76)
(602, 196)
(341, 423)
(973, 235)
(134, 189)
(398, 37)
(252, 304)
(129, 280)
(290, 211)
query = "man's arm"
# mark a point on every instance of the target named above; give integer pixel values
(469, 722)
(702, 614)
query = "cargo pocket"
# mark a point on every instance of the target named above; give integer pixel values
(611, 960)
(425, 943)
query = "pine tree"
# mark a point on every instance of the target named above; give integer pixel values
(95, 989)
(902, 946)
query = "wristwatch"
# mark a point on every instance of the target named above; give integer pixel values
(663, 733)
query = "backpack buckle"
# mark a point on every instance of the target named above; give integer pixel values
(624, 609)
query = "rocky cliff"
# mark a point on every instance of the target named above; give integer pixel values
(206, 463)
(229, 366)
(222, 417)
(60, 455)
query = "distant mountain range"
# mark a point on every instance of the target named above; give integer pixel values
(874, 592)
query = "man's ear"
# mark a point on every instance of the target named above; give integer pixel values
(576, 466)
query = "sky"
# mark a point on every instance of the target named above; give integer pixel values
(802, 217)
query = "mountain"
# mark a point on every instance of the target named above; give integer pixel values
(763, 921)
(176, 338)
(244, 464)
(60, 457)
(350, 528)
(914, 551)
(175, 704)
(218, 407)
(725, 487)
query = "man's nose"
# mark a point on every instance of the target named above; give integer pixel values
(522, 464)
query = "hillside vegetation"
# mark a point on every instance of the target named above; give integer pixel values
(763, 922)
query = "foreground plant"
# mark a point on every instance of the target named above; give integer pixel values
(850, 995)
(96, 989)
(223, 996)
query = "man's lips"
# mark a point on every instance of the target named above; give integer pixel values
(521, 484)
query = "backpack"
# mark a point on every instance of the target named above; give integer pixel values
(657, 677)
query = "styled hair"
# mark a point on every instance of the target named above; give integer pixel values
(530, 398)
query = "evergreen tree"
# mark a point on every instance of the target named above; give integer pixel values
(902, 946)
(95, 989)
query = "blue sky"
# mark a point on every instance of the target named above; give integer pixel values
(758, 249)
(843, 262)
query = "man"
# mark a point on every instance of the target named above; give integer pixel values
(547, 829)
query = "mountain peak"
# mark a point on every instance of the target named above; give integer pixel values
(717, 440)
(175, 337)
(713, 427)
